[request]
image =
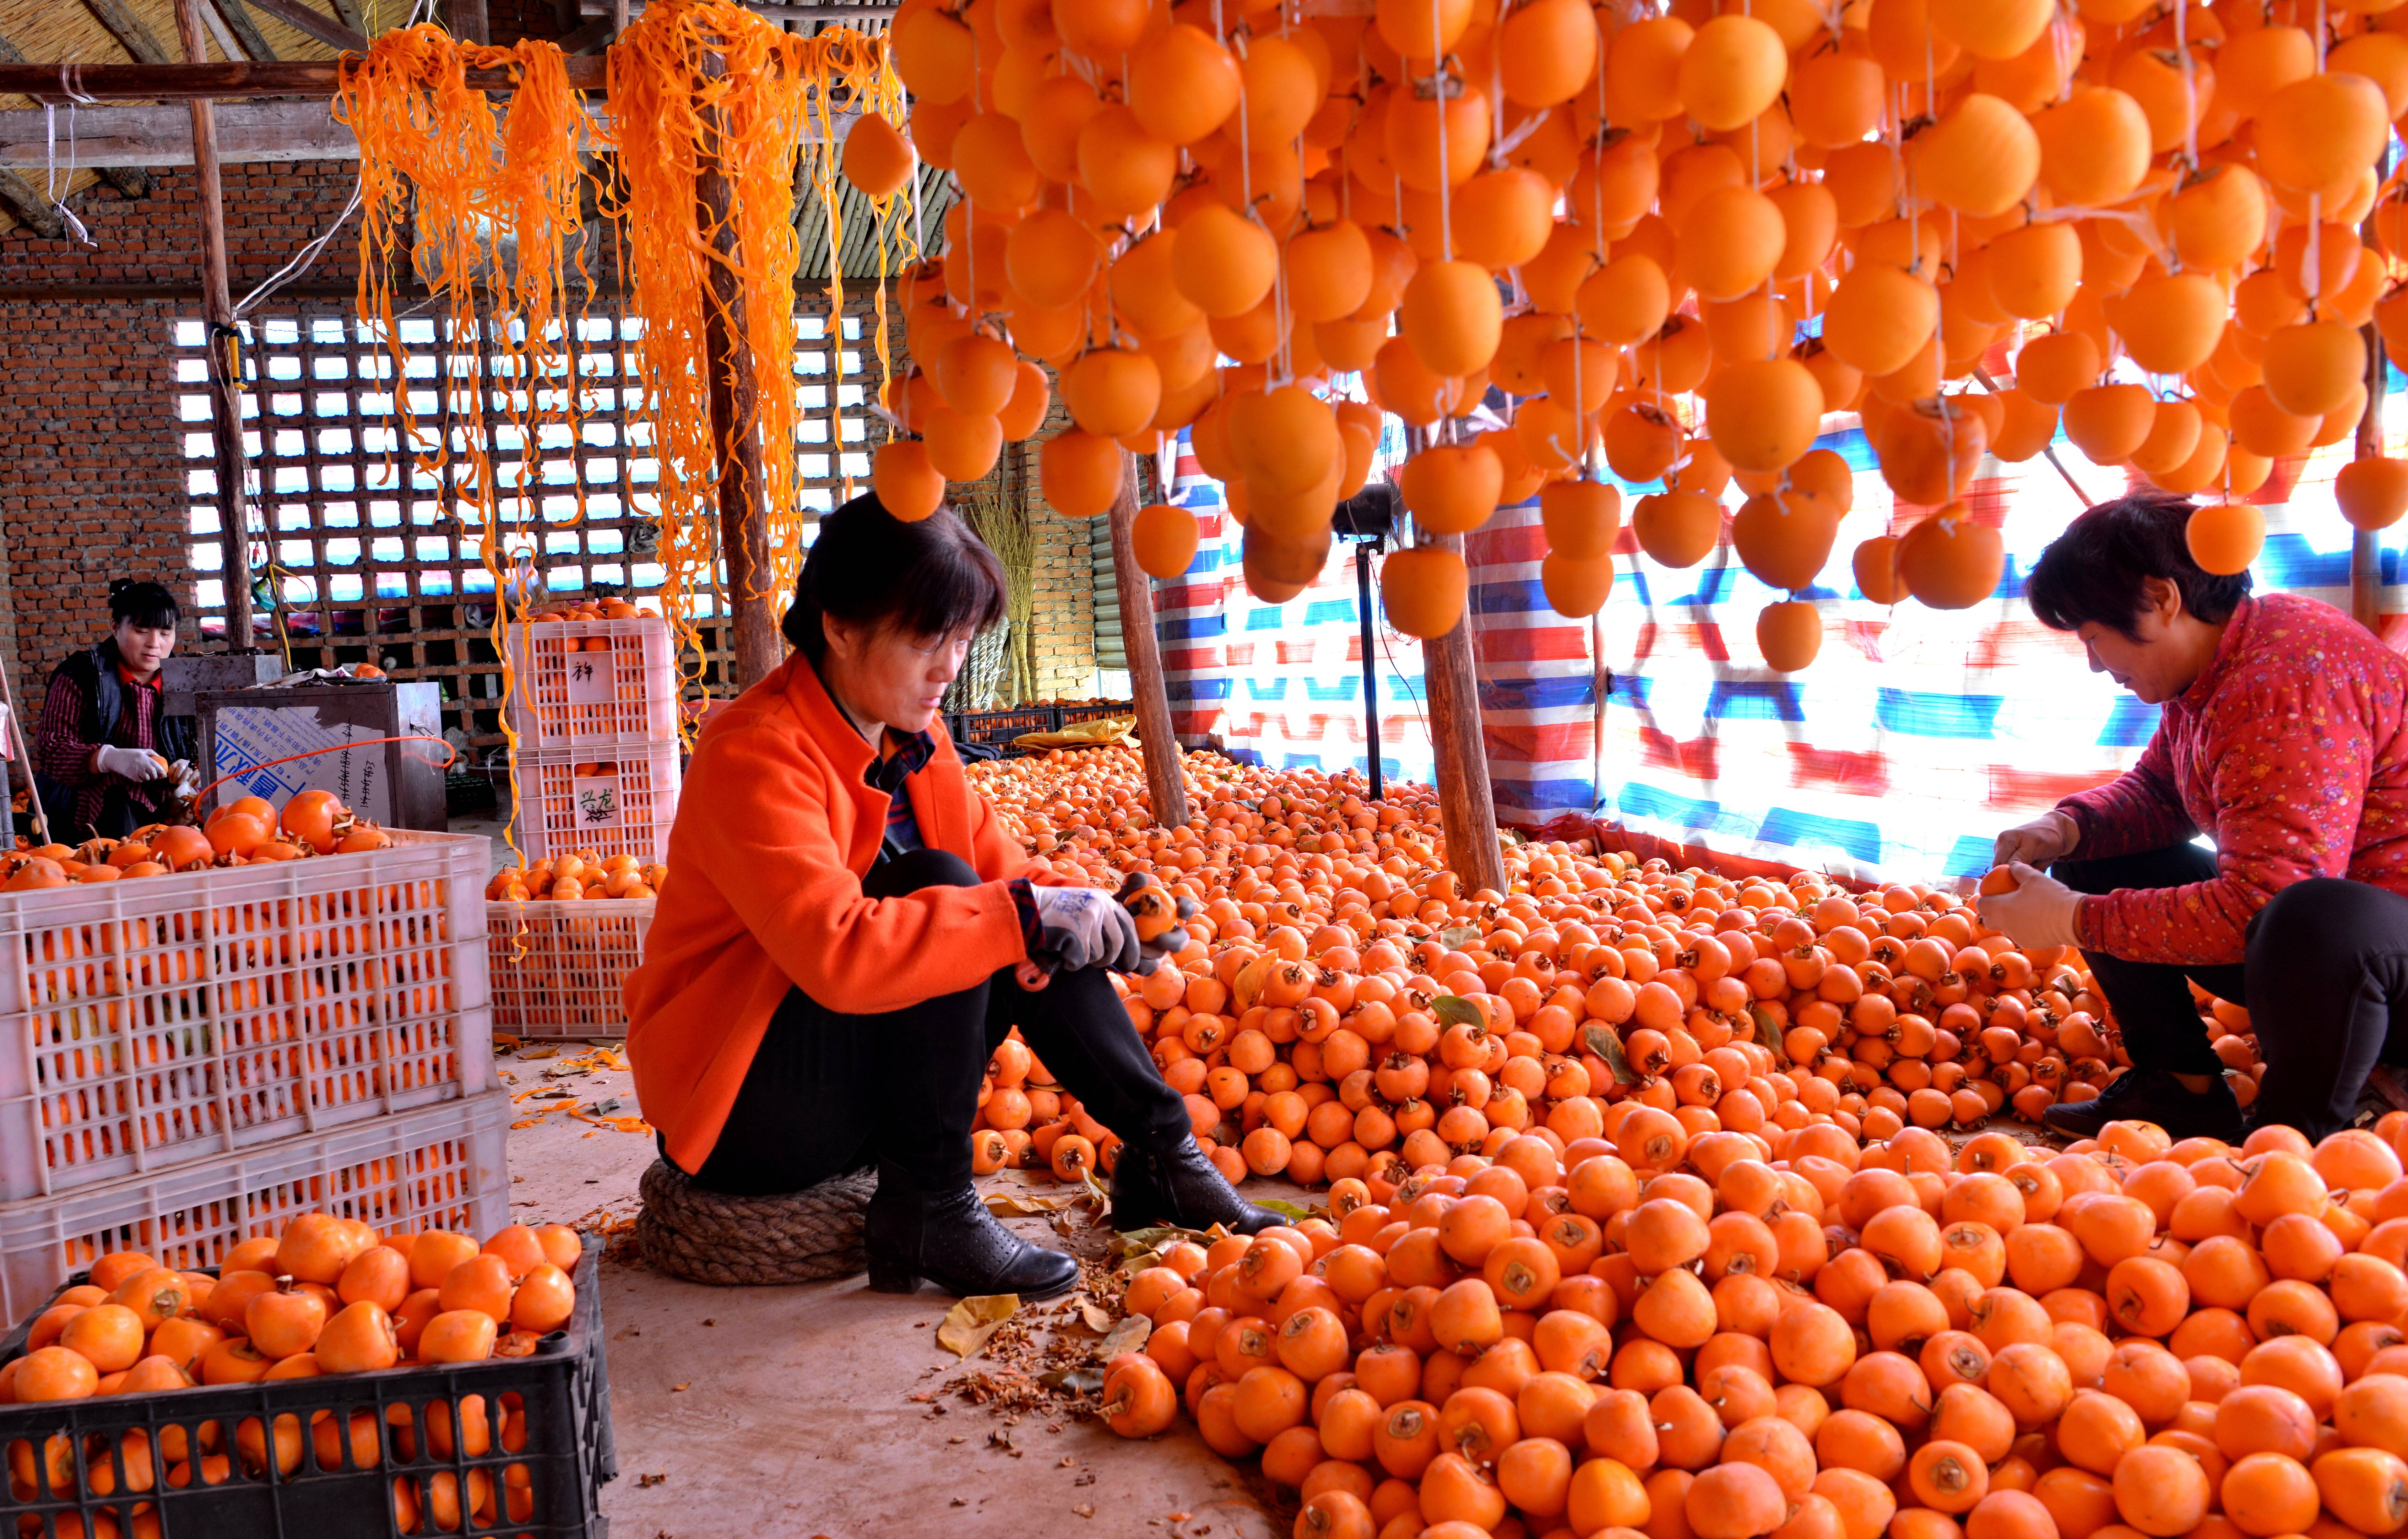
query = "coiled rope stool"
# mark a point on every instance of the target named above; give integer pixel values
(710, 1237)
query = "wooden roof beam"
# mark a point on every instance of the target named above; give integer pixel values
(133, 180)
(229, 80)
(246, 32)
(249, 133)
(127, 28)
(316, 23)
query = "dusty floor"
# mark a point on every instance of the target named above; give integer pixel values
(825, 1408)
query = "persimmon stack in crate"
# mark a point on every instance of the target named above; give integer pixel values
(594, 700)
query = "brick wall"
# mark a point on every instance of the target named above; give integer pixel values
(1063, 608)
(92, 457)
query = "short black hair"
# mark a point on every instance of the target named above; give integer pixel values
(148, 605)
(868, 567)
(2092, 574)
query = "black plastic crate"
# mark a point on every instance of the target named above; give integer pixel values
(1000, 726)
(1073, 714)
(546, 1450)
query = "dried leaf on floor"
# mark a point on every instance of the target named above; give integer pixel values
(1094, 1317)
(645, 1482)
(1083, 1380)
(1129, 1336)
(1285, 1209)
(1085, 1509)
(680, 1389)
(1013, 1205)
(970, 1323)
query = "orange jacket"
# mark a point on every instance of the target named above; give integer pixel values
(775, 829)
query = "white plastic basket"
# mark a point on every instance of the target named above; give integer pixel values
(175, 1019)
(619, 800)
(443, 1167)
(557, 967)
(578, 682)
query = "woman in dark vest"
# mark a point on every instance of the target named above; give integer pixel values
(105, 754)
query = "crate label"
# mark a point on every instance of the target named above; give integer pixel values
(597, 800)
(590, 681)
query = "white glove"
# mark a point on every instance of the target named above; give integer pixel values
(1084, 928)
(2049, 837)
(135, 764)
(188, 780)
(2038, 913)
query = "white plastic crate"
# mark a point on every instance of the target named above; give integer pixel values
(557, 967)
(619, 804)
(443, 1167)
(175, 1019)
(577, 682)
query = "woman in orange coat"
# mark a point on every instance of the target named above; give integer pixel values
(844, 942)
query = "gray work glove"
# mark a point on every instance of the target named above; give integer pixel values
(1083, 927)
(135, 764)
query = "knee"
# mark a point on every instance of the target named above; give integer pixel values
(917, 868)
(2086, 876)
(2306, 918)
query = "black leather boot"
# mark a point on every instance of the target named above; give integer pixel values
(950, 1239)
(1184, 1187)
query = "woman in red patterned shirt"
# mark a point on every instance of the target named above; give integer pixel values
(2282, 739)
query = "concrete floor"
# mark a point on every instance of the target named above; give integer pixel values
(824, 1409)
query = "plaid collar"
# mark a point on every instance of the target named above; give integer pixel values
(911, 755)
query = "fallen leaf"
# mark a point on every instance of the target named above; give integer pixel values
(679, 1388)
(1285, 1209)
(1094, 1317)
(1129, 1241)
(1129, 1336)
(645, 1482)
(1011, 1205)
(1085, 1509)
(970, 1323)
(1095, 1189)
(1083, 1380)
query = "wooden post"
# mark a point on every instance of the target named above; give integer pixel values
(735, 417)
(217, 306)
(1164, 782)
(1465, 808)
(2365, 552)
(469, 21)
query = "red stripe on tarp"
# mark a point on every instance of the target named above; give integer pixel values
(2014, 786)
(1544, 644)
(1837, 769)
(1495, 546)
(1538, 743)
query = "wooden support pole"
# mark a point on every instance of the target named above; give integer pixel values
(734, 416)
(2365, 552)
(1166, 782)
(469, 21)
(225, 400)
(1467, 810)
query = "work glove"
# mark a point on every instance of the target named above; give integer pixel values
(1154, 953)
(135, 764)
(188, 780)
(2038, 913)
(1083, 927)
(2046, 837)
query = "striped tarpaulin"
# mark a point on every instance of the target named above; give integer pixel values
(1913, 738)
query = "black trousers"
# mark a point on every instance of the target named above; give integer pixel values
(2325, 977)
(830, 1092)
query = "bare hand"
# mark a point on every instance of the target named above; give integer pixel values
(2048, 837)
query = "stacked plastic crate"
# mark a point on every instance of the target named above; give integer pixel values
(595, 704)
(190, 1061)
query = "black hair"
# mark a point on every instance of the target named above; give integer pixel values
(2092, 574)
(148, 605)
(868, 567)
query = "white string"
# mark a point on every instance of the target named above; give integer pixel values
(70, 76)
(302, 261)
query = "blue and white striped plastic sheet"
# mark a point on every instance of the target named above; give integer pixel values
(1912, 739)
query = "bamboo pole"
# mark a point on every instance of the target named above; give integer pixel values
(225, 400)
(734, 416)
(2365, 551)
(231, 79)
(1467, 808)
(1166, 784)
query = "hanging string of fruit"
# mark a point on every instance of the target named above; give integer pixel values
(1679, 239)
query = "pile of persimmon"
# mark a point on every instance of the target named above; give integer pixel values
(599, 608)
(326, 1296)
(1675, 238)
(582, 874)
(1344, 1005)
(1734, 1335)
(245, 831)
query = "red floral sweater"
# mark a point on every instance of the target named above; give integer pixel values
(2291, 751)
